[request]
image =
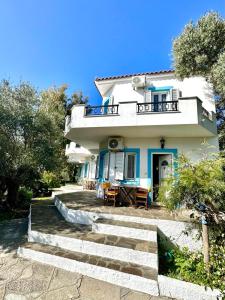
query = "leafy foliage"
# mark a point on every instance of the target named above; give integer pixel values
(199, 182)
(199, 46)
(50, 179)
(31, 136)
(195, 183)
(25, 195)
(200, 51)
(79, 98)
(189, 266)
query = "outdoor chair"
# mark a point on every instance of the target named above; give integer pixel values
(141, 197)
(110, 193)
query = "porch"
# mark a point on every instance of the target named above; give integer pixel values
(87, 201)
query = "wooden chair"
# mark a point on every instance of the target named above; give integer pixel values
(141, 197)
(110, 193)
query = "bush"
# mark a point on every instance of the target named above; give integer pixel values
(188, 266)
(50, 179)
(25, 196)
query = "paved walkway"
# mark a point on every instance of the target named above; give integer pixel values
(12, 233)
(22, 279)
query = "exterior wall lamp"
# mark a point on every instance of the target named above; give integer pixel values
(162, 142)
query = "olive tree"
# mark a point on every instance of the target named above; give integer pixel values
(200, 51)
(31, 135)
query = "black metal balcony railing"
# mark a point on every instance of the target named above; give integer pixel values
(101, 110)
(157, 106)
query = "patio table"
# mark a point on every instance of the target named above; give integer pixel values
(127, 194)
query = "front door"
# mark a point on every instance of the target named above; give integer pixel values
(162, 169)
(165, 167)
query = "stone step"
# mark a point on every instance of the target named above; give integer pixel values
(128, 275)
(47, 226)
(125, 229)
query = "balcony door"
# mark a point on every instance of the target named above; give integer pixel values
(158, 101)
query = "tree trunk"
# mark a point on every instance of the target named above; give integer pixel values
(13, 191)
(205, 241)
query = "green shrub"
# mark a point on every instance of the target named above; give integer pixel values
(50, 179)
(25, 195)
(189, 266)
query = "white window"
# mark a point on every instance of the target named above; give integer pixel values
(130, 165)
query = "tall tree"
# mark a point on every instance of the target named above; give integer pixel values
(31, 135)
(79, 98)
(200, 51)
(53, 108)
(18, 115)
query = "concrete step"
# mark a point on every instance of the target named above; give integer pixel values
(126, 229)
(128, 275)
(47, 226)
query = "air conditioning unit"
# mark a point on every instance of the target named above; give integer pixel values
(115, 143)
(138, 82)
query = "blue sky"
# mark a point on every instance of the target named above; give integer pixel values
(50, 42)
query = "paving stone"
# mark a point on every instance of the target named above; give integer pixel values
(42, 271)
(131, 295)
(63, 278)
(92, 290)
(131, 270)
(15, 297)
(114, 266)
(65, 293)
(24, 286)
(2, 291)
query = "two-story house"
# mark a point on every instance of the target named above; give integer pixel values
(144, 122)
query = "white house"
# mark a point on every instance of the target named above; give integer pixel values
(145, 121)
(84, 159)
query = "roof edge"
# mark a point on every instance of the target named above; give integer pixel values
(136, 74)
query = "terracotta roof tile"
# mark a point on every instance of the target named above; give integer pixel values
(136, 74)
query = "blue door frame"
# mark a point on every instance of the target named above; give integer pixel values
(172, 151)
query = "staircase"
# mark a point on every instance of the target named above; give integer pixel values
(118, 252)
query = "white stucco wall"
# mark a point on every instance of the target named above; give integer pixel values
(190, 113)
(122, 89)
(191, 147)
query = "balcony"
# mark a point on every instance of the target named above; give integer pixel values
(183, 118)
